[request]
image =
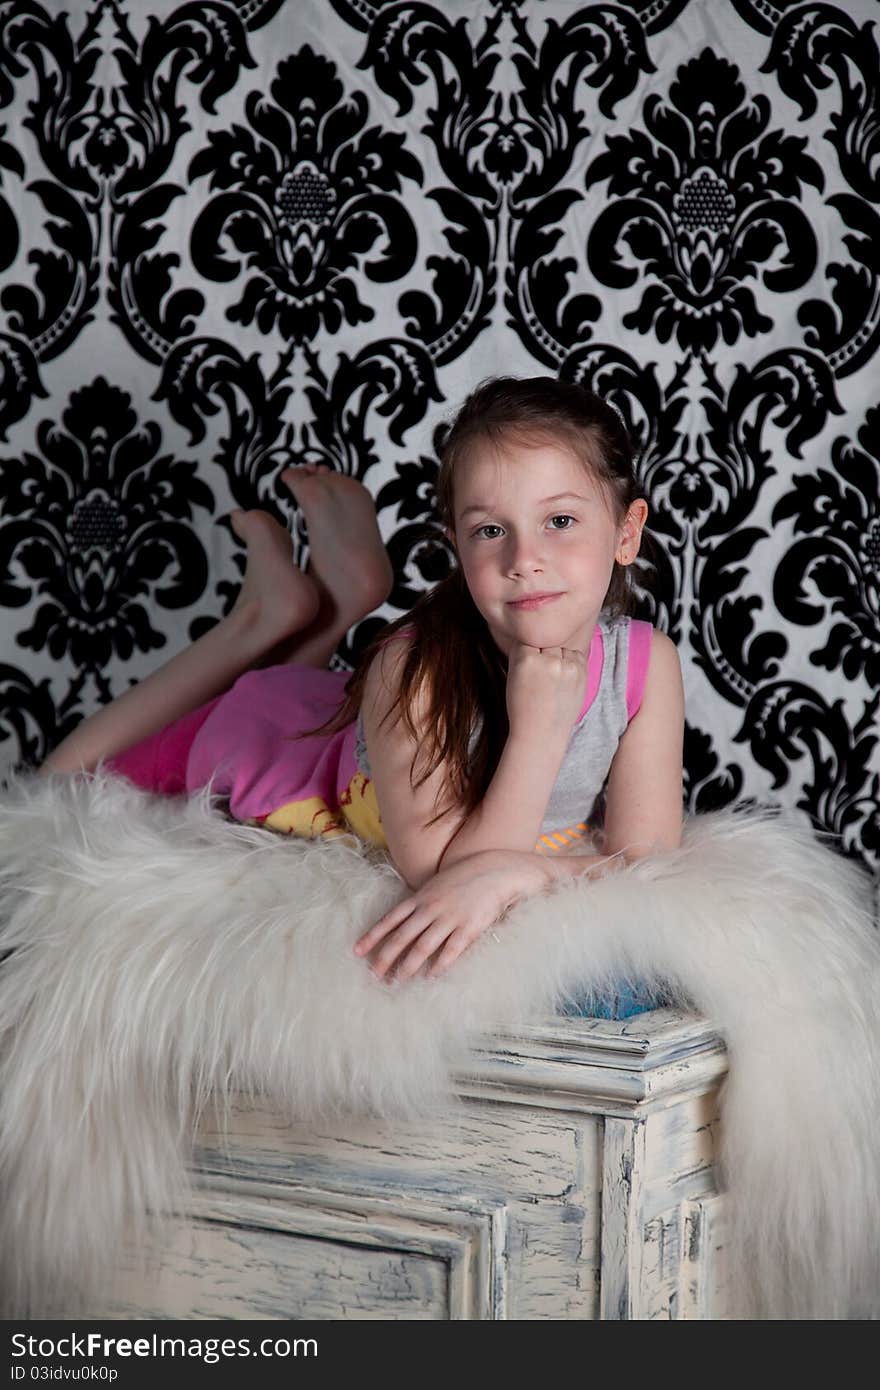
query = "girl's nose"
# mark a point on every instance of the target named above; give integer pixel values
(523, 556)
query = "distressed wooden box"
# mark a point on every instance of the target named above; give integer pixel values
(574, 1180)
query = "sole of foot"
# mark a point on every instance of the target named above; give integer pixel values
(275, 596)
(347, 556)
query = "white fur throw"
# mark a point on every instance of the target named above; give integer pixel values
(160, 954)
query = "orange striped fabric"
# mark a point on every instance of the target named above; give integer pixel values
(558, 840)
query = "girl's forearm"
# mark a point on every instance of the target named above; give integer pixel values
(511, 813)
(567, 866)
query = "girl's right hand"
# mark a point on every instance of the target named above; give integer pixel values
(545, 689)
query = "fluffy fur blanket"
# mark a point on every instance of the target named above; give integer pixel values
(160, 955)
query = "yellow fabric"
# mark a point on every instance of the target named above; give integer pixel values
(313, 819)
(359, 812)
(310, 819)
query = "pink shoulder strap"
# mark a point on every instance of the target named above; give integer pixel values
(640, 637)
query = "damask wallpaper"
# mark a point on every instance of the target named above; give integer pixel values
(239, 234)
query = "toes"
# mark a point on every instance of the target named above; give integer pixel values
(296, 481)
(295, 478)
(290, 476)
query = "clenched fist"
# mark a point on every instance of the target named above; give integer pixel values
(545, 688)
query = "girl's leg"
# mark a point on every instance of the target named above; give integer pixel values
(347, 560)
(276, 600)
(281, 614)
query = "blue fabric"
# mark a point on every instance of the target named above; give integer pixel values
(623, 1002)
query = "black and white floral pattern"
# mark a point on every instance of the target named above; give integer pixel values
(239, 234)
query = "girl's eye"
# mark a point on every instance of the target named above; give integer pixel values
(562, 518)
(490, 526)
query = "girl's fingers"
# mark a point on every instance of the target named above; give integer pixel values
(455, 947)
(384, 925)
(428, 943)
(399, 940)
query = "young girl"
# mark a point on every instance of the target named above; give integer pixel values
(476, 737)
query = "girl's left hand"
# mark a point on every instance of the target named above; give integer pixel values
(454, 907)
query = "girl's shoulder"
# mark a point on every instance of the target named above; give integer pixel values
(626, 641)
(390, 652)
(383, 674)
(631, 634)
(402, 634)
(640, 653)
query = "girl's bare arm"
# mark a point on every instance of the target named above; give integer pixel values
(644, 801)
(508, 818)
(447, 911)
(644, 798)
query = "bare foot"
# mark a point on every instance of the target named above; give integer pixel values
(347, 556)
(276, 597)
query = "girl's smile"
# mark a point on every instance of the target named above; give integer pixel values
(537, 600)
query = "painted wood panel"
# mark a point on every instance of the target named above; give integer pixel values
(572, 1179)
(260, 1251)
(490, 1144)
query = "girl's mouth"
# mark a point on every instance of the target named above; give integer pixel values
(533, 601)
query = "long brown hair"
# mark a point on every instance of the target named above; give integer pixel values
(452, 655)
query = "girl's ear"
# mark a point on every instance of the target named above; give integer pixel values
(450, 536)
(630, 537)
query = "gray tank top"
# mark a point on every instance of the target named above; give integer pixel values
(616, 691)
(572, 808)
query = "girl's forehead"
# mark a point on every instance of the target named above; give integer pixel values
(522, 466)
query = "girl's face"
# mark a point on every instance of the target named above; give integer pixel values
(537, 541)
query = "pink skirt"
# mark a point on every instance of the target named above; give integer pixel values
(244, 745)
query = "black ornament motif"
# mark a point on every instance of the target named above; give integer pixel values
(836, 560)
(305, 196)
(699, 206)
(707, 787)
(29, 721)
(100, 525)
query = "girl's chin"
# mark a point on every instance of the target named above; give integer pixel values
(528, 628)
